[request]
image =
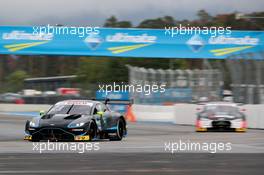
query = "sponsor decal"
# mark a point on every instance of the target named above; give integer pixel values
(93, 41)
(22, 35)
(124, 37)
(247, 40)
(17, 47)
(196, 43)
(76, 102)
(224, 51)
(121, 49)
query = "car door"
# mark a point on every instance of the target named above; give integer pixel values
(107, 116)
(102, 120)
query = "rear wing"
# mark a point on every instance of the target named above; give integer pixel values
(116, 102)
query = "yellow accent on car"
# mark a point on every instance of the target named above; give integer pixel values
(82, 138)
(28, 137)
(241, 129)
(201, 129)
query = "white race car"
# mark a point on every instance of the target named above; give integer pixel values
(221, 116)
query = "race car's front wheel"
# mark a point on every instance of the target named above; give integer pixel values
(92, 130)
(119, 131)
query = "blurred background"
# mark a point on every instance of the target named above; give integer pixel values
(48, 79)
(195, 69)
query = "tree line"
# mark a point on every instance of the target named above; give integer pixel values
(92, 70)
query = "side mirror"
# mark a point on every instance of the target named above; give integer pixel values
(41, 113)
(100, 113)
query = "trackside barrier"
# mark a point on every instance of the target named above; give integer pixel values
(23, 108)
(255, 115)
(153, 113)
(184, 114)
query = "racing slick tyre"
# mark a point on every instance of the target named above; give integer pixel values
(119, 131)
(92, 130)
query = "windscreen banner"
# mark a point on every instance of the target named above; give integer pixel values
(117, 42)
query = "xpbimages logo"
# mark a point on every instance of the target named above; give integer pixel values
(78, 147)
(146, 89)
(188, 146)
(65, 30)
(196, 30)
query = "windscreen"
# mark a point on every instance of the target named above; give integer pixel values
(221, 109)
(70, 109)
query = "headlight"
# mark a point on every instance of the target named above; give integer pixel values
(75, 125)
(32, 124)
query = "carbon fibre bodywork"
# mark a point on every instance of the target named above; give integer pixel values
(96, 123)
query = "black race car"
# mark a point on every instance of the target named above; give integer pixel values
(78, 120)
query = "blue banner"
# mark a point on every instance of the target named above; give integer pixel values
(148, 43)
(171, 95)
(122, 95)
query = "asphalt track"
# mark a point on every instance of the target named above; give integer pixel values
(142, 152)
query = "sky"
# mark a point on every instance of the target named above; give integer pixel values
(94, 12)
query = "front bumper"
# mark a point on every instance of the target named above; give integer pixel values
(221, 129)
(56, 134)
(222, 125)
(28, 137)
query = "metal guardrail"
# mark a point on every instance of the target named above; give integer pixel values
(49, 99)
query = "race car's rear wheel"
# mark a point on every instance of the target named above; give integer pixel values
(92, 130)
(119, 131)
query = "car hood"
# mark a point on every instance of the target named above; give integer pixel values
(224, 116)
(60, 120)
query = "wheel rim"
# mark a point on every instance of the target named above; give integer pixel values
(92, 130)
(120, 129)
